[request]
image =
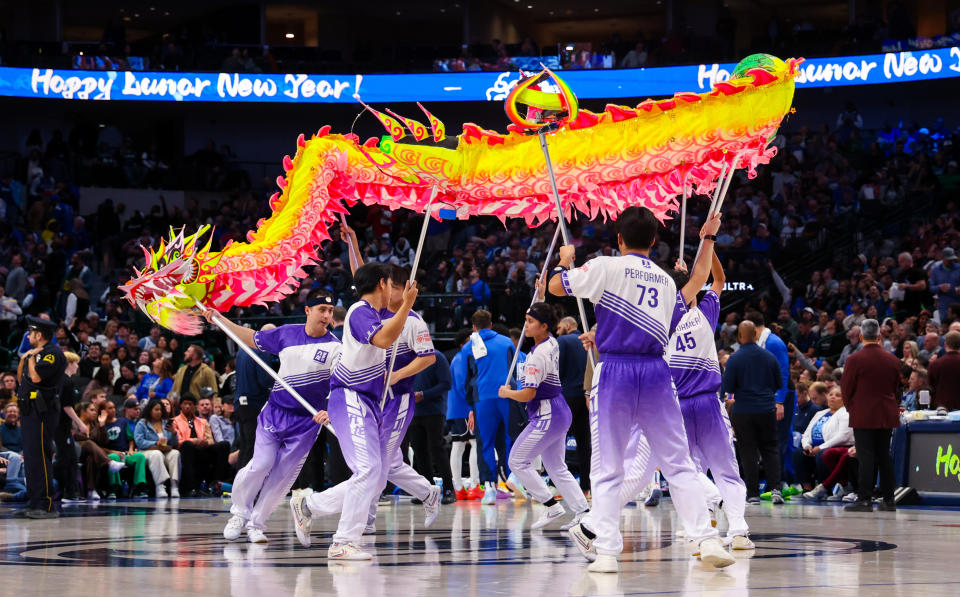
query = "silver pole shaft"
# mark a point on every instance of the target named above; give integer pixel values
(354, 259)
(683, 216)
(726, 183)
(562, 224)
(720, 188)
(413, 277)
(542, 279)
(256, 359)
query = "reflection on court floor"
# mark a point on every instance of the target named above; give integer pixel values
(159, 547)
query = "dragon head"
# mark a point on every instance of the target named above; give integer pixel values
(175, 277)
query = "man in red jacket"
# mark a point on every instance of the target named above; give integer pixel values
(870, 385)
(945, 375)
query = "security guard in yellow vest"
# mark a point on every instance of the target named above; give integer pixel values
(41, 376)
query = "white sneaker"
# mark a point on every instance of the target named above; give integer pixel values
(431, 506)
(549, 515)
(776, 497)
(713, 553)
(604, 563)
(347, 551)
(174, 490)
(370, 529)
(301, 520)
(838, 492)
(742, 542)
(851, 497)
(576, 520)
(653, 500)
(161, 491)
(582, 542)
(489, 496)
(93, 496)
(256, 536)
(816, 493)
(234, 527)
(116, 467)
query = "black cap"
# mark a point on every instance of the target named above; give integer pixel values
(206, 392)
(130, 403)
(40, 325)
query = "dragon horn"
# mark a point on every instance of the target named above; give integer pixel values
(438, 128)
(394, 128)
(416, 129)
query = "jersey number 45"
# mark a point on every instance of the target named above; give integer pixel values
(686, 342)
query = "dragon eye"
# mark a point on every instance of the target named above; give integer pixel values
(194, 271)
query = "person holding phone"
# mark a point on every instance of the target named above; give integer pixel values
(155, 437)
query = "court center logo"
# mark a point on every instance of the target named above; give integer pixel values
(490, 547)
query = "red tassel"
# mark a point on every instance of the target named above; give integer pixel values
(281, 182)
(323, 131)
(287, 163)
(761, 77)
(301, 141)
(619, 113)
(585, 119)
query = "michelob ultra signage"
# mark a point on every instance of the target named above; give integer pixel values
(872, 69)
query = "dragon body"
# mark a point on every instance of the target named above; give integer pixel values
(604, 162)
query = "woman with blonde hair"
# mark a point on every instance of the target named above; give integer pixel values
(911, 354)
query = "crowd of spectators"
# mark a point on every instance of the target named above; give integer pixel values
(847, 223)
(197, 45)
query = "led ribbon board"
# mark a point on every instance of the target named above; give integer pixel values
(870, 69)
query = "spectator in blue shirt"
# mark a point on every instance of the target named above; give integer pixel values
(488, 359)
(10, 436)
(752, 377)
(158, 383)
(945, 281)
(786, 398)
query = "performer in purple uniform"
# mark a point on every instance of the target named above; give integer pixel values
(548, 418)
(285, 430)
(639, 467)
(355, 390)
(695, 368)
(637, 307)
(414, 354)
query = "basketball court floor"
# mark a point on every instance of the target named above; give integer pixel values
(168, 548)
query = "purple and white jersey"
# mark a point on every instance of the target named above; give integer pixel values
(637, 303)
(305, 364)
(414, 341)
(692, 353)
(541, 371)
(362, 365)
